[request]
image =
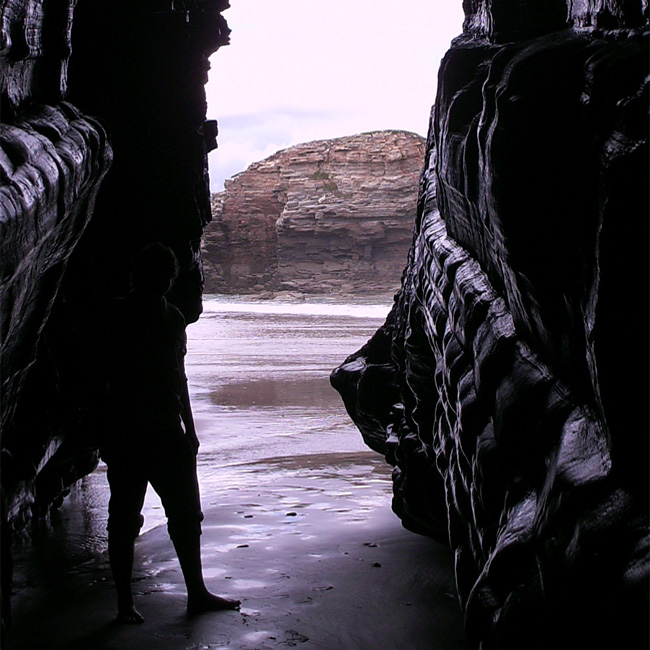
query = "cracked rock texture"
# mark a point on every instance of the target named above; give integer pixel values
(504, 386)
(331, 216)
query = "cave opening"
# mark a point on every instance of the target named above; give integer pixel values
(303, 91)
(503, 387)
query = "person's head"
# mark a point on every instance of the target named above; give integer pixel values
(154, 269)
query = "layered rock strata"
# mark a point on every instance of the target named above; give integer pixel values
(79, 195)
(331, 216)
(504, 386)
(52, 160)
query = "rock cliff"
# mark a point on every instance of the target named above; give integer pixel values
(332, 216)
(505, 385)
(103, 149)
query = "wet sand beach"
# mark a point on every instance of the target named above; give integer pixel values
(297, 524)
(314, 568)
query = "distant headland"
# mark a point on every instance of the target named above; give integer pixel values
(325, 217)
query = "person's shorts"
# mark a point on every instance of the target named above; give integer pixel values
(168, 462)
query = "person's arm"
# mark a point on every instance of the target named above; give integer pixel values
(186, 406)
(188, 419)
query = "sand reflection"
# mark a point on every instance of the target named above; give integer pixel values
(314, 392)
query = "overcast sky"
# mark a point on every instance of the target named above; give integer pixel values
(301, 70)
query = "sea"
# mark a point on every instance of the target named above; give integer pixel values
(265, 413)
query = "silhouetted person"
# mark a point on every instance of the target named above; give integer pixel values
(150, 437)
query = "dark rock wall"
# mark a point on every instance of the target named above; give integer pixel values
(145, 79)
(34, 51)
(142, 81)
(103, 149)
(509, 384)
(52, 160)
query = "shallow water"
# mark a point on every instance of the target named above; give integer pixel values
(268, 420)
(259, 378)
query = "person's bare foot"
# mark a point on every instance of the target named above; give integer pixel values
(129, 616)
(210, 603)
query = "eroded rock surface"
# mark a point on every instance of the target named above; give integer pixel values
(52, 160)
(331, 216)
(103, 144)
(504, 386)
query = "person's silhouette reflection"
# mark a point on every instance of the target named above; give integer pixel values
(150, 437)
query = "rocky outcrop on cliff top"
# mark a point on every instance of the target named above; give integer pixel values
(331, 216)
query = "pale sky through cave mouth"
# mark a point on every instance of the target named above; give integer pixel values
(302, 70)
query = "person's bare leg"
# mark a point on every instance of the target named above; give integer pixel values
(199, 599)
(120, 554)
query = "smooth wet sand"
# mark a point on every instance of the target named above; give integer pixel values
(298, 521)
(312, 572)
